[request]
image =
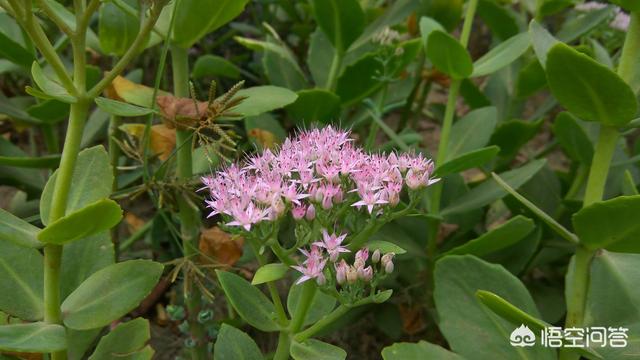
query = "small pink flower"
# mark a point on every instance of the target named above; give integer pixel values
(312, 267)
(332, 244)
(369, 199)
(298, 212)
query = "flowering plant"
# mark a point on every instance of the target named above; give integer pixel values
(334, 196)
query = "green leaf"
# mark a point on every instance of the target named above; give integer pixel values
(119, 108)
(48, 86)
(92, 180)
(92, 219)
(196, 18)
(21, 281)
(489, 191)
(468, 160)
(472, 131)
(613, 294)
(320, 57)
(469, 328)
(427, 26)
(321, 305)
(110, 293)
(212, 65)
(509, 312)
(502, 55)
(630, 5)
(341, 20)
(82, 258)
(233, 344)
(551, 222)
(446, 12)
(511, 135)
(34, 337)
(419, 350)
(49, 111)
(385, 247)
(584, 87)
(269, 272)
(542, 41)
(279, 63)
(117, 29)
(248, 301)
(360, 79)
(123, 341)
(610, 224)
(499, 238)
(317, 350)
(502, 20)
(531, 79)
(29, 180)
(583, 24)
(314, 105)
(448, 55)
(262, 99)
(573, 138)
(18, 231)
(10, 46)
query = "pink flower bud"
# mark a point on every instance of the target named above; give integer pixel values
(362, 255)
(326, 203)
(321, 279)
(388, 268)
(367, 274)
(298, 212)
(352, 275)
(375, 258)
(341, 272)
(311, 212)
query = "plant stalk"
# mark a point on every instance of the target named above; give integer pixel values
(189, 217)
(445, 135)
(578, 277)
(334, 71)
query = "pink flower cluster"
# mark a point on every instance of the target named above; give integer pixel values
(317, 168)
(313, 266)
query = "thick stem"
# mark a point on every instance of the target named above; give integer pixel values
(308, 292)
(322, 323)
(273, 291)
(605, 147)
(450, 111)
(578, 277)
(189, 217)
(334, 71)
(629, 63)
(53, 253)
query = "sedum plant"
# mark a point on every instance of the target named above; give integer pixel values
(332, 195)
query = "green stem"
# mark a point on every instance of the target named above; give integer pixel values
(273, 291)
(599, 171)
(189, 217)
(53, 253)
(334, 71)
(114, 154)
(629, 64)
(445, 134)
(578, 276)
(308, 292)
(336, 314)
(284, 343)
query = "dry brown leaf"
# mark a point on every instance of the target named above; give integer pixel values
(133, 222)
(163, 139)
(265, 138)
(220, 247)
(25, 356)
(174, 108)
(412, 318)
